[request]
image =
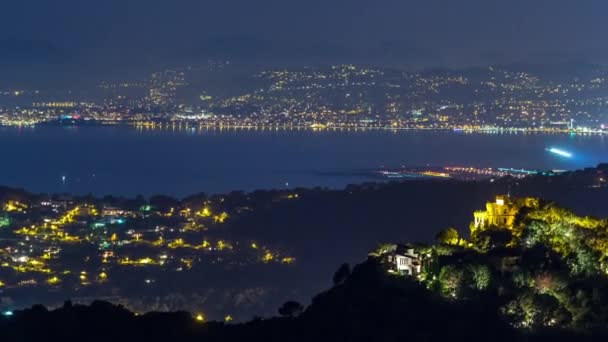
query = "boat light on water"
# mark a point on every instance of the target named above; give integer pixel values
(560, 152)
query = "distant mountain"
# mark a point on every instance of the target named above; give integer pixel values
(558, 71)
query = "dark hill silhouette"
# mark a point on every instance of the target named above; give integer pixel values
(367, 306)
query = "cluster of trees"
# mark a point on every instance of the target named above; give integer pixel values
(547, 271)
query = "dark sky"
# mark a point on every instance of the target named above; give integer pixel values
(101, 35)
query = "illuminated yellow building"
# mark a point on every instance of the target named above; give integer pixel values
(502, 212)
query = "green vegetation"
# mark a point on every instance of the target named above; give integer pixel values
(540, 279)
(547, 270)
(5, 221)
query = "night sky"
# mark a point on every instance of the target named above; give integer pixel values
(122, 35)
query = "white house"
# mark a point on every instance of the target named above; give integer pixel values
(405, 260)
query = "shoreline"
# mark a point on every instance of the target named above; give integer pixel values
(314, 128)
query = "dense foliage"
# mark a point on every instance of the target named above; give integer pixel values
(547, 270)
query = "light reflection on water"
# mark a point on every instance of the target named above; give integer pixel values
(183, 160)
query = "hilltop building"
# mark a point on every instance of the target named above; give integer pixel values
(502, 212)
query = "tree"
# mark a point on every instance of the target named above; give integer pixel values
(163, 203)
(493, 238)
(341, 274)
(291, 309)
(584, 261)
(383, 249)
(448, 236)
(482, 276)
(451, 279)
(532, 310)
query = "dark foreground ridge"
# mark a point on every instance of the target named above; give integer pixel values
(529, 271)
(367, 306)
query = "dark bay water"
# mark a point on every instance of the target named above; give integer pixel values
(128, 161)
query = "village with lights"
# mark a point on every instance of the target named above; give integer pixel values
(533, 261)
(78, 246)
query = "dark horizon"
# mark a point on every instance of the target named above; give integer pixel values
(40, 40)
